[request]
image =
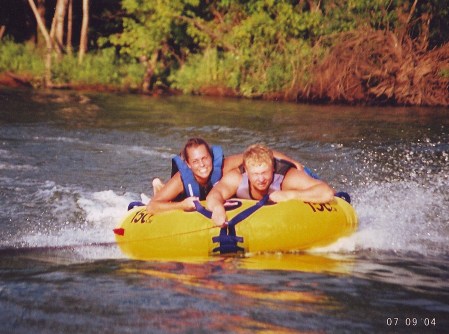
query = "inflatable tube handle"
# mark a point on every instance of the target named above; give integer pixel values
(248, 212)
(344, 195)
(201, 209)
(133, 204)
(238, 218)
(228, 239)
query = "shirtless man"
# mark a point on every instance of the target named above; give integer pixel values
(262, 175)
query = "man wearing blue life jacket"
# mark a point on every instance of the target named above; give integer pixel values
(196, 172)
(264, 175)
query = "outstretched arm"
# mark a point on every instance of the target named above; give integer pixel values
(163, 199)
(298, 185)
(222, 191)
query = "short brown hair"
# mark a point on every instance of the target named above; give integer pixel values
(194, 142)
(257, 154)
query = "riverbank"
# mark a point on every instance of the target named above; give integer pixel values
(367, 53)
(11, 80)
(362, 68)
(20, 81)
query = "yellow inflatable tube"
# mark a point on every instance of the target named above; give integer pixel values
(281, 227)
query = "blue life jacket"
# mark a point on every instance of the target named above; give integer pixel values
(191, 185)
(310, 173)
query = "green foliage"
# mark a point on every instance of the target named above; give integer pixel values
(263, 49)
(158, 34)
(147, 26)
(102, 67)
(209, 68)
(20, 58)
(272, 40)
(346, 15)
(445, 72)
(254, 47)
(251, 76)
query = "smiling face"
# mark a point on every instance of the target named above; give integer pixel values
(200, 162)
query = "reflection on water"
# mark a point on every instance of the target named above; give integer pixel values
(304, 262)
(282, 293)
(221, 282)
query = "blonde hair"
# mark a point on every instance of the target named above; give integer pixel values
(256, 155)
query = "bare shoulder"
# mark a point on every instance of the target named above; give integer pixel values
(230, 181)
(296, 178)
(233, 175)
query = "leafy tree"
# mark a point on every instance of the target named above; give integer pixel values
(155, 32)
(255, 39)
(252, 48)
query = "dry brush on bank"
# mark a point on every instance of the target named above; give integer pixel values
(378, 67)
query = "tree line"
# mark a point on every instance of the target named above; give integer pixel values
(369, 51)
(54, 39)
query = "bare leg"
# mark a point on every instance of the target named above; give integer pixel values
(157, 185)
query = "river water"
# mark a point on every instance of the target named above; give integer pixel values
(70, 163)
